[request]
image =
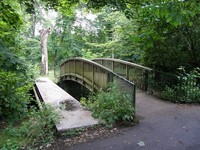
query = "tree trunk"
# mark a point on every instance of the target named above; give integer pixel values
(44, 35)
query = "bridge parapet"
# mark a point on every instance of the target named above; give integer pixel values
(94, 76)
(132, 72)
(174, 87)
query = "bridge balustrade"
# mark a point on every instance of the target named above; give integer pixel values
(94, 76)
(135, 73)
(165, 85)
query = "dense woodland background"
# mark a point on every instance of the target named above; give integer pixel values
(161, 34)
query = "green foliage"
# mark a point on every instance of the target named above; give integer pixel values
(113, 36)
(9, 61)
(63, 43)
(168, 34)
(122, 5)
(87, 53)
(73, 132)
(37, 129)
(161, 34)
(10, 20)
(187, 90)
(170, 94)
(111, 106)
(13, 144)
(14, 89)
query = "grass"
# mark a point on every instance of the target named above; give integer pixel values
(9, 141)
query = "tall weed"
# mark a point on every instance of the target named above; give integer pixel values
(111, 106)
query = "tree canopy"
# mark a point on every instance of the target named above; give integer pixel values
(158, 33)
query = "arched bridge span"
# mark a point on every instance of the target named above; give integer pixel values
(94, 76)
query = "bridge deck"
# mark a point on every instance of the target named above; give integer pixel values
(72, 114)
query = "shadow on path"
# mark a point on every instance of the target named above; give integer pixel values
(163, 125)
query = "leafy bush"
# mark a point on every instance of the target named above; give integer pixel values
(10, 60)
(111, 106)
(187, 90)
(11, 145)
(37, 129)
(169, 94)
(40, 127)
(14, 89)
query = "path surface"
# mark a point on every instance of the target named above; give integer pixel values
(72, 113)
(163, 126)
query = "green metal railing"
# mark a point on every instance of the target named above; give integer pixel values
(168, 86)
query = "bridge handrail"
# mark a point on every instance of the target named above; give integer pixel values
(123, 62)
(97, 65)
(145, 78)
(131, 71)
(93, 63)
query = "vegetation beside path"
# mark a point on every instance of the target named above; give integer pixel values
(36, 129)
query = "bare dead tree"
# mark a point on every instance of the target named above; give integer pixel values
(44, 35)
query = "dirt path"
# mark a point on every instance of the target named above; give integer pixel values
(163, 126)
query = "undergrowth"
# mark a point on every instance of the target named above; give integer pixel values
(187, 90)
(37, 129)
(111, 106)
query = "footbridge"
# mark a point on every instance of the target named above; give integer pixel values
(94, 76)
(97, 73)
(91, 75)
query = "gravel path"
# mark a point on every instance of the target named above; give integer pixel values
(163, 126)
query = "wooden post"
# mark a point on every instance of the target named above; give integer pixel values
(44, 35)
(127, 72)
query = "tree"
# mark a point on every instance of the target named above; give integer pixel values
(44, 35)
(10, 23)
(166, 33)
(112, 36)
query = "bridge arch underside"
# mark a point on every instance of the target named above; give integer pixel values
(76, 85)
